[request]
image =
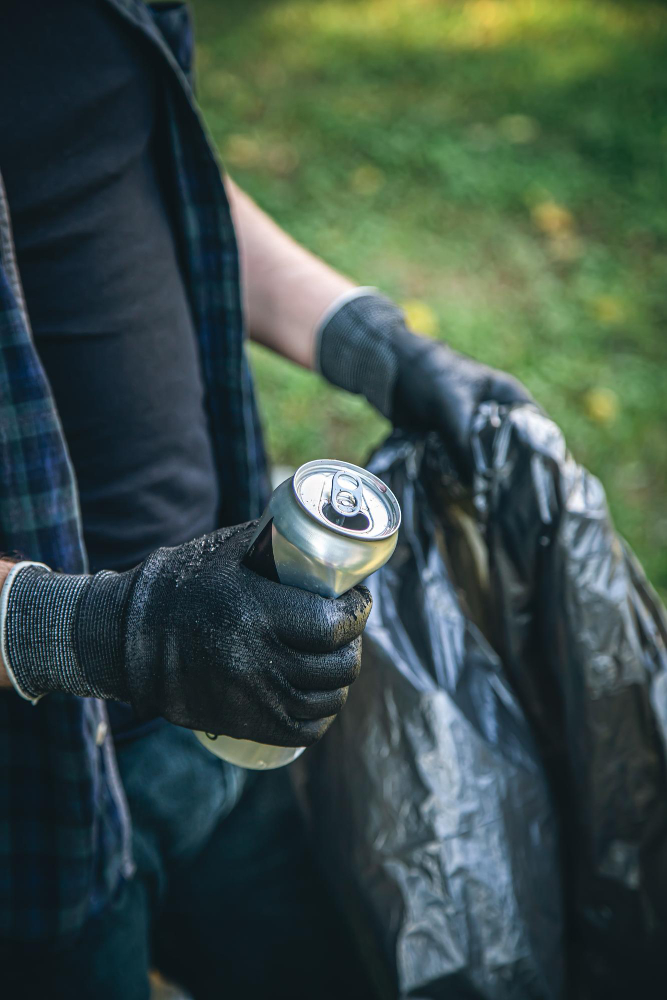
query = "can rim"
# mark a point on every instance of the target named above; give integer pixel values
(368, 479)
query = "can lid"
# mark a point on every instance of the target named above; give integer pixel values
(347, 499)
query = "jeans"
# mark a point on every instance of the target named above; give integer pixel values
(226, 899)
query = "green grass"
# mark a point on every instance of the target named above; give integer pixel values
(500, 165)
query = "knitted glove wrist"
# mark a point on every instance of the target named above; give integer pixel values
(358, 348)
(63, 632)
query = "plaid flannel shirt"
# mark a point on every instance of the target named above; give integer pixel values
(64, 828)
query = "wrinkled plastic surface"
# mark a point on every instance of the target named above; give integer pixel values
(491, 805)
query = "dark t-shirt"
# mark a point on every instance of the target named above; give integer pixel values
(80, 156)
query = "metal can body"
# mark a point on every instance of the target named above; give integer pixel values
(324, 530)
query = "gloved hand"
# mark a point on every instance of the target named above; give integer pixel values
(417, 383)
(192, 635)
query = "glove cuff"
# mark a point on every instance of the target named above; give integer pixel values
(356, 348)
(63, 632)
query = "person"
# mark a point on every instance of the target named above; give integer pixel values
(131, 469)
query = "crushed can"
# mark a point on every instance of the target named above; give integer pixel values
(324, 530)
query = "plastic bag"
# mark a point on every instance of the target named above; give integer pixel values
(491, 805)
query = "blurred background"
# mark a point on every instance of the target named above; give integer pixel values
(499, 167)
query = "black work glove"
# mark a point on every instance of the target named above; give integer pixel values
(417, 383)
(192, 635)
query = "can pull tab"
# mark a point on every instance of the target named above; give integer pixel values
(346, 493)
(344, 508)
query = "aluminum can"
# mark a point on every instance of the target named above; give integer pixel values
(325, 529)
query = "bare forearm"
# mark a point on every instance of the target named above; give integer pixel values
(286, 288)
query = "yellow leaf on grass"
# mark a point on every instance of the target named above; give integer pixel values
(601, 405)
(242, 151)
(485, 12)
(552, 218)
(282, 159)
(608, 310)
(366, 179)
(420, 317)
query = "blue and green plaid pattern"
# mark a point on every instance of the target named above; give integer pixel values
(64, 829)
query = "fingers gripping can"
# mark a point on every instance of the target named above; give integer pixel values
(324, 530)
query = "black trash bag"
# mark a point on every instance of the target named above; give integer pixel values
(583, 639)
(491, 805)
